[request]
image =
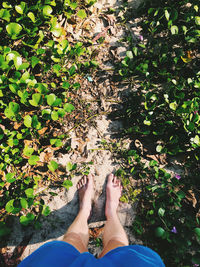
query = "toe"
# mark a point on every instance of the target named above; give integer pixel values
(90, 178)
(84, 180)
(110, 178)
(115, 180)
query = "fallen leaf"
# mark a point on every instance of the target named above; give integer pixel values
(42, 131)
(95, 232)
(191, 197)
(101, 34)
(17, 125)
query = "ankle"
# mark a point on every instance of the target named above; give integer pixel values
(111, 215)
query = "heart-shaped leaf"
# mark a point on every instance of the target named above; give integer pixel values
(31, 16)
(51, 99)
(10, 177)
(33, 160)
(13, 28)
(34, 61)
(47, 10)
(56, 142)
(28, 151)
(5, 14)
(27, 121)
(67, 184)
(9, 205)
(53, 166)
(82, 14)
(54, 115)
(26, 220)
(29, 192)
(69, 107)
(35, 99)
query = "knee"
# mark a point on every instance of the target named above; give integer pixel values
(76, 241)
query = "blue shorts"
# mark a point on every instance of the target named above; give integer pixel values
(62, 254)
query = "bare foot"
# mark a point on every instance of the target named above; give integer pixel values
(113, 194)
(86, 193)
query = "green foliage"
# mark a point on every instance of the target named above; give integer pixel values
(164, 111)
(53, 166)
(37, 70)
(67, 184)
(166, 104)
(166, 217)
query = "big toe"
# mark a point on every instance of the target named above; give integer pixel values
(110, 179)
(90, 180)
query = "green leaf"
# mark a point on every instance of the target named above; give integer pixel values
(73, 5)
(33, 160)
(27, 121)
(19, 9)
(31, 16)
(54, 115)
(197, 232)
(67, 184)
(25, 220)
(69, 107)
(5, 14)
(167, 14)
(173, 105)
(10, 177)
(159, 148)
(6, 5)
(66, 85)
(35, 123)
(61, 112)
(25, 77)
(46, 210)
(146, 122)
(51, 99)
(196, 140)
(70, 166)
(35, 99)
(1, 133)
(56, 68)
(161, 212)
(17, 62)
(12, 110)
(46, 114)
(159, 231)
(14, 107)
(23, 66)
(197, 20)
(34, 61)
(56, 142)
(29, 192)
(53, 166)
(28, 151)
(24, 203)
(174, 29)
(56, 29)
(13, 28)
(72, 70)
(13, 87)
(9, 205)
(47, 10)
(129, 54)
(82, 14)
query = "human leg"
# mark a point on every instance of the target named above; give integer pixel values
(114, 235)
(78, 233)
